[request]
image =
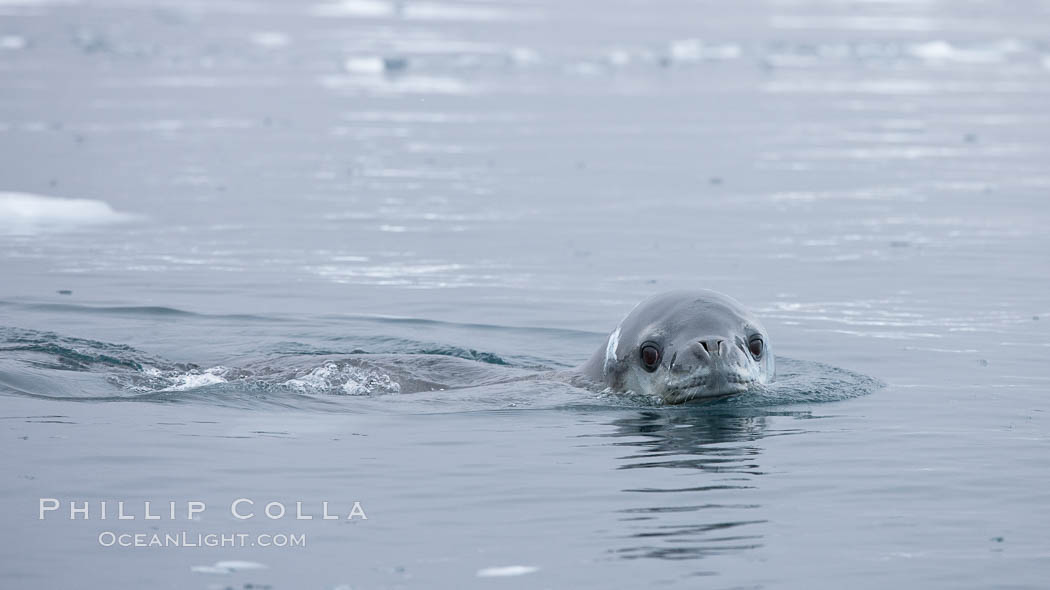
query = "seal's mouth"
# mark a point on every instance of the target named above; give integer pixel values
(708, 386)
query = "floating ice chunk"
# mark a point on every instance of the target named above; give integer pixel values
(416, 10)
(12, 42)
(271, 39)
(32, 5)
(358, 8)
(241, 565)
(505, 571)
(687, 50)
(407, 84)
(28, 213)
(227, 567)
(584, 68)
(524, 56)
(934, 51)
(446, 11)
(943, 51)
(726, 51)
(209, 569)
(365, 65)
(619, 57)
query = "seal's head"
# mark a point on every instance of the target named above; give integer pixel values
(685, 345)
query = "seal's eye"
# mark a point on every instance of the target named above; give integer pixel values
(650, 354)
(756, 347)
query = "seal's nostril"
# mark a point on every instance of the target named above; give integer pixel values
(713, 346)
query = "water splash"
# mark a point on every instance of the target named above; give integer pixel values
(346, 378)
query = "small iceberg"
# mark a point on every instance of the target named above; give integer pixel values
(271, 39)
(227, 567)
(356, 8)
(506, 571)
(374, 65)
(694, 50)
(943, 51)
(12, 42)
(523, 56)
(25, 213)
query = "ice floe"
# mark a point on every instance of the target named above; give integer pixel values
(227, 567)
(429, 11)
(943, 51)
(26, 213)
(12, 42)
(271, 39)
(506, 571)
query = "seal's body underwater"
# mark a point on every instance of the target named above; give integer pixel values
(677, 347)
(684, 345)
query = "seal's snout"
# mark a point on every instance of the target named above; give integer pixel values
(713, 368)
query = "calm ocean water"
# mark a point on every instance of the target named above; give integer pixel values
(206, 207)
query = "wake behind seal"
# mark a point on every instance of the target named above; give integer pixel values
(675, 347)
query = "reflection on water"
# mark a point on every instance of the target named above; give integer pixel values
(704, 510)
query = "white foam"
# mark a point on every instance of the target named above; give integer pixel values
(29, 213)
(350, 380)
(195, 379)
(506, 571)
(314, 381)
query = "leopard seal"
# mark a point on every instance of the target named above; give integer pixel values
(684, 345)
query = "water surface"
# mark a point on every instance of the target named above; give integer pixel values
(189, 186)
